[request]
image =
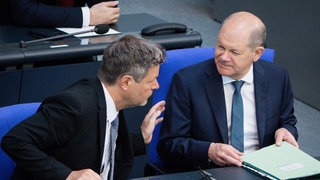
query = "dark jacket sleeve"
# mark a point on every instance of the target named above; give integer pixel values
(47, 145)
(44, 14)
(48, 13)
(288, 119)
(29, 142)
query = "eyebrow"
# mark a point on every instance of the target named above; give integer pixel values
(231, 49)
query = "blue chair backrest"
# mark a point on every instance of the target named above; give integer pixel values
(9, 117)
(268, 55)
(177, 59)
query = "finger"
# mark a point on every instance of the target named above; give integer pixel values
(161, 106)
(158, 106)
(110, 3)
(234, 160)
(234, 157)
(219, 161)
(226, 160)
(294, 143)
(159, 120)
(290, 139)
(278, 142)
(152, 111)
(279, 138)
(155, 115)
(234, 152)
(114, 21)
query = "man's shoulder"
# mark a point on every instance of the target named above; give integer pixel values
(84, 83)
(82, 93)
(80, 89)
(273, 72)
(269, 66)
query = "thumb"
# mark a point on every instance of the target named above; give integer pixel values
(279, 139)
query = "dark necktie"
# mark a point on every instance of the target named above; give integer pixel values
(66, 3)
(113, 137)
(237, 117)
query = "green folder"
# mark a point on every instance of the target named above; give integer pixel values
(281, 162)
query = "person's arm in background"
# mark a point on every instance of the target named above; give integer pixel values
(37, 14)
(287, 130)
(104, 13)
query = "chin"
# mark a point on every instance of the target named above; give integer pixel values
(144, 103)
(223, 72)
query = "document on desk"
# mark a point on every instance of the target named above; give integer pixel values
(89, 34)
(281, 162)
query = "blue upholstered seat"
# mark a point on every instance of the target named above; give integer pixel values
(9, 117)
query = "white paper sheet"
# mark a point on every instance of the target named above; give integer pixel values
(89, 34)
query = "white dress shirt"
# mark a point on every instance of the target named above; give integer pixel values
(85, 16)
(112, 113)
(251, 141)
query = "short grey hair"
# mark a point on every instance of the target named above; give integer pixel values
(258, 37)
(129, 55)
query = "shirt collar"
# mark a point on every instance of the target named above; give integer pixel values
(248, 78)
(112, 112)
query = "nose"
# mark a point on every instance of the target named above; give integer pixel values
(224, 56)
(156, 84)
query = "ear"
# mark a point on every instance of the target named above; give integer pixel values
(125, 82)
(257, 53)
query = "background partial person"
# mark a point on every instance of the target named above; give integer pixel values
(198, 126)
(63, 13)
(70, 136)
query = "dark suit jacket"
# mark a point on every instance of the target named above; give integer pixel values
(48, 13)
(68, 133)
(196, 115)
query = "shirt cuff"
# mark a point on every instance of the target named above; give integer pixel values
(86, 16)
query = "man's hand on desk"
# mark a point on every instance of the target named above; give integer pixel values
(104, 13)
(84, 174)
(283, 134)
(224, 155)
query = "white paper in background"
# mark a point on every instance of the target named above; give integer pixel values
(89, 34)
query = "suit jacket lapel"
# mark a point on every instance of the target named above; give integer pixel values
(102, 111)
(214, 88)
(260, 89)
